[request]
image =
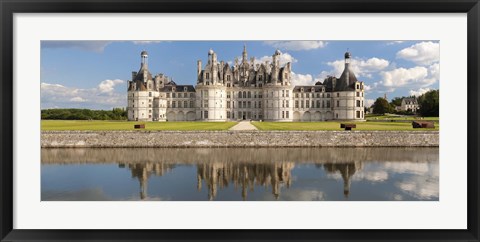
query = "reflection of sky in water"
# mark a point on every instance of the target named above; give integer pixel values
(300, 176)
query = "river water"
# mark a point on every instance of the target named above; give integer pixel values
(236, 174)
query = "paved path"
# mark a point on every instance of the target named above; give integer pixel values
(243, 125)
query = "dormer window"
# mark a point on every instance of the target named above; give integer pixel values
(184, 89)
(301, 90)
(207, 75)
(228, 77)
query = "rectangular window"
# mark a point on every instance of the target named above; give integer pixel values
(205, 114)
(288, 103)
(173, 95)
(207, 75)
(296, 95)
(338, 103)
(179, 104)
(249, 104)
(260, 104)
(328, 94)
(328, 103)
(168, 94)
(287, 114)
(338, 94)
(358, 94)
(358, 114)
(296, 103)
(168, 104)
(191, 104)
(192, 94)
(283, 103)
(228, 104)
(283, 93)
(283, 114)
(185, 104)
(307, 104)
(228, 114)
(301, 104)
(287, 93)
(228, 94)
(150, 94)
(358, 103)
(318, 104)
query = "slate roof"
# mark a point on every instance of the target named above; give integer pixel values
(177, 88)
(342, 84)
(318, 88)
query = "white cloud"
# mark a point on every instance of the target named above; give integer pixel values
(145, 42)
(302, 80)
(360, 67)
(423, 53)
(95, 46)
(284, 59)
(402, 77)
(418, 92)
(77, 99)
(395, 42)
(101, 97)
(297, 45)
(108, 85)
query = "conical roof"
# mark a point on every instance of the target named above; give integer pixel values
(346, 80)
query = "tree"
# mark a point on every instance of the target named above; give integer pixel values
(397, 101)
(381, 106)
(429, 103)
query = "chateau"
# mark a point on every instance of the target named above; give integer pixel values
(244, 90)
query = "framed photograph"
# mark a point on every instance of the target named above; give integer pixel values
(239, 120)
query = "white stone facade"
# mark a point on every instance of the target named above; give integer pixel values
(245, 90)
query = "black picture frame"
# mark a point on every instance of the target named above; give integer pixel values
(9, 7)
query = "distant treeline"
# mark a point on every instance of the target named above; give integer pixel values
(84, 114)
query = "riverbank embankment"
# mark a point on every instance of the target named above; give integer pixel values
(132, 139)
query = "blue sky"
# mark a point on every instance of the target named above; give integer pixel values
(94, 74)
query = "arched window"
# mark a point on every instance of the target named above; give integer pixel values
(239, 94)
(244, 94)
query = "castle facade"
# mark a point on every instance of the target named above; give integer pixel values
(244, 90)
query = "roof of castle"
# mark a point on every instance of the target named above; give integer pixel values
(342, 84)
(178, 88)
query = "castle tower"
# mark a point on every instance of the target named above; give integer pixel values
(244, 54)
(144, 56)
(347, 66)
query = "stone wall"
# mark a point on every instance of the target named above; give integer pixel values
(118, 139)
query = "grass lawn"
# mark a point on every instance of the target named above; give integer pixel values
(395, 117)
(336, 126)
(128, 125)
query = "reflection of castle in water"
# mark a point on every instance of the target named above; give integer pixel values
(346, 170)
(143, 171)
(246, 175)
(243, 175)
